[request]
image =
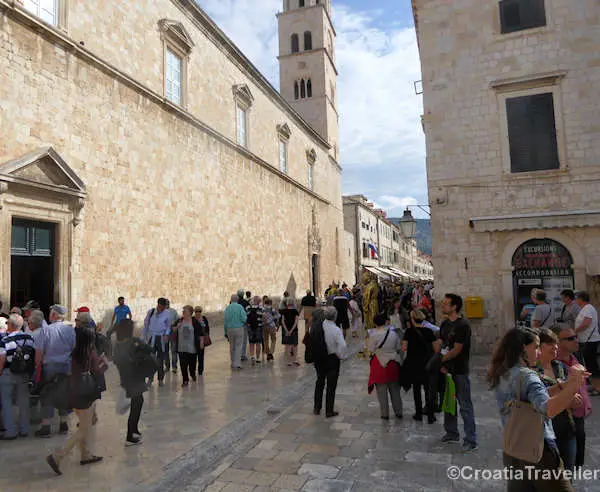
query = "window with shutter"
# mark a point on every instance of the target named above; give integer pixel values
(532, 133)
(517, 15)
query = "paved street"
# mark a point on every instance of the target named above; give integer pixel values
(254, 431)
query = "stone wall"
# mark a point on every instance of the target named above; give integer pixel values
(467, 64)
(173, 208)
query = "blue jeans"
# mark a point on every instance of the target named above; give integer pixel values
(463, 399)
(9, 384)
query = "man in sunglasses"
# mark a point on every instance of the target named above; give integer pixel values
(567, 347)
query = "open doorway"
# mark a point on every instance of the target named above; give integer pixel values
(32, 255)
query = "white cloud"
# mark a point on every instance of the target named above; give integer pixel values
(382, 144)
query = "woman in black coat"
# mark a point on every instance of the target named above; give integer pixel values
(127, 351)
(205, 334)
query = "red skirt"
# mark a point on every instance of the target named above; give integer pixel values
(381, 375)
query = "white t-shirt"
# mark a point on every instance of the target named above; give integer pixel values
(588, 311)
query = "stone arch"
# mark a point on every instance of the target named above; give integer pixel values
(577, 252)
(506, 315)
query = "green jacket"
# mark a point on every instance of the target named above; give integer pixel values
(235, 316)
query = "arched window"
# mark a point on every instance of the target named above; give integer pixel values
(300, 3)
(296, 90)
(302, 89)
(307, 41)
(308, 88)
(295, 43)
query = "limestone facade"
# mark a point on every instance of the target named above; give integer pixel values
(150, 197)
(477, 63)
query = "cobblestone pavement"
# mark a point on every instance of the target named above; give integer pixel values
(254, 431)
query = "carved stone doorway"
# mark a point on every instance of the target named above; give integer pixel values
(41, 199)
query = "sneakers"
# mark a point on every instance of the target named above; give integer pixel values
(53, 464)
(449, 438)
(468, 447)
(133, 440)
(90, 460)
(44, 431)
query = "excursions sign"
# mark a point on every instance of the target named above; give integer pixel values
(540, 264)
(542, 258)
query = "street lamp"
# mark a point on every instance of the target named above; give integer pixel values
(408, 224)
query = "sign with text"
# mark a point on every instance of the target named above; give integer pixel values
(540, 264)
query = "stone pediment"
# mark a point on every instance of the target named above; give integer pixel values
(177, 33)
(43, 168)
(243, 95)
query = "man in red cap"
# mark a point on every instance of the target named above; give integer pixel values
(85, 309)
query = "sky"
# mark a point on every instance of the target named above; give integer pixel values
(382, 145)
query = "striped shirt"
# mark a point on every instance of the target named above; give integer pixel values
(9, 344)
(254, 317)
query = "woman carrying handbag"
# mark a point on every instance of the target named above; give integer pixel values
(84, 391)
(526, 409)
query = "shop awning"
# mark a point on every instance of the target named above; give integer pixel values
(375, 271)
(391, 272)
(400, 272)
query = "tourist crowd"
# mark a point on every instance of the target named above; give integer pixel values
(49, 366)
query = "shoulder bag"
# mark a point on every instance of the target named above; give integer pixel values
(387, 334)
(523, 435)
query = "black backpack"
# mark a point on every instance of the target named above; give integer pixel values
(315, 347)
(252, 317)
(142, 358)
(23, 360)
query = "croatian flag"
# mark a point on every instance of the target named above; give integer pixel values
(374, 252)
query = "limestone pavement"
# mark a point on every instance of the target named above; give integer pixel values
(254, 430)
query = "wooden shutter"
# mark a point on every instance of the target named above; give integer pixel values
(532, 133)
(31, 238)
(516, 15)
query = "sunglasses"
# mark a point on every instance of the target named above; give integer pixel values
(569, 339)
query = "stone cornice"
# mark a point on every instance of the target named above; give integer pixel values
(540, 220)
(60, 38)
(221, 41)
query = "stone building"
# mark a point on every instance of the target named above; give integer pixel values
(142, 154)
(512, 123)
(379, 245)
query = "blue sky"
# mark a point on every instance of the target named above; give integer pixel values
(382, 145)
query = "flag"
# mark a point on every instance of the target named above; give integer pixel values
(374, 251)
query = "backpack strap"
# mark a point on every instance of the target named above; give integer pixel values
(387, 334)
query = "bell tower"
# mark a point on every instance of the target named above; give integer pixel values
(307, 72)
